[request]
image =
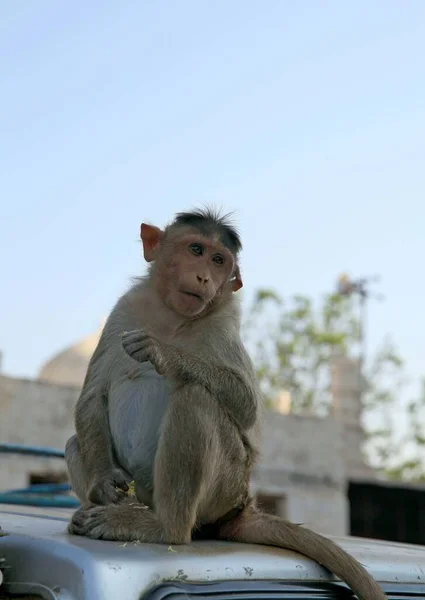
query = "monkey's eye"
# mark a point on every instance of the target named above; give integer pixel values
(218, 259)
(196, 249)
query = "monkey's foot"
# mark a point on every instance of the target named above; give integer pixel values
(125, 523)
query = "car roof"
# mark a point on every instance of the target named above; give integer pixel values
(99, 569)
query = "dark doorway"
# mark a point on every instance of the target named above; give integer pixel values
(48, 477)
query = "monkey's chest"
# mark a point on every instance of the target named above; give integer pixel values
(136, 411)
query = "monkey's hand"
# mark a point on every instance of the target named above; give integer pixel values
(142, 348)
(109, 489)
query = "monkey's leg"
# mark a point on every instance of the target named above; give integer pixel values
(254, 527)
(185, 461)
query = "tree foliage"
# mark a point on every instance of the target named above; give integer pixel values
(292, 343)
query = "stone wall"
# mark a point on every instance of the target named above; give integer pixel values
(35, 414)
(302, 461)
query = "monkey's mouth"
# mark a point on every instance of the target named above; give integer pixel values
(194, 295)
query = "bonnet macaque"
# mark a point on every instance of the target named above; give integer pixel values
(170, 400)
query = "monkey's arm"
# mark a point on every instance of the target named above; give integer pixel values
(95, 442)
(91, 424)
(228, 384)
(232, 384)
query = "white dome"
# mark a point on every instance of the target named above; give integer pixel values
(69, 366)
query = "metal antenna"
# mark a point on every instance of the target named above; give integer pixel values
(349, 287)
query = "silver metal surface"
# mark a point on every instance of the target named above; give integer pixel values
(40, 557)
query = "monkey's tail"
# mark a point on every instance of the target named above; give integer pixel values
(259, 528)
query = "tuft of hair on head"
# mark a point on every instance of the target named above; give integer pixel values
(209, 221)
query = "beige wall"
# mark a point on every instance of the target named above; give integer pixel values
(302, 462)
(33, 413)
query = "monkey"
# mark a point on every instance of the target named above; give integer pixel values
(171, 401)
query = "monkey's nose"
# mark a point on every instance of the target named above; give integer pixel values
(202, 279)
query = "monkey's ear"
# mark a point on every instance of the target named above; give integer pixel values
(237, 280)
(151, 237)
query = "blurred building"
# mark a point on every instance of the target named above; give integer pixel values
(306, 461)
(68, 367)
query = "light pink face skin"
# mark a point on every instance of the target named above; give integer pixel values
(191, 269)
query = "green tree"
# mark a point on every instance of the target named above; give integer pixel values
(292, 343)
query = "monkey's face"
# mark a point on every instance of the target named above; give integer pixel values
(192, 270)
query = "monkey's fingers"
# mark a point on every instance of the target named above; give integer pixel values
(133, 347)
(139, 350)
(86, 521)
(107, 495)
(134, 336)
(132, 332)
(123, 487)
(78, 517)
(111, 489)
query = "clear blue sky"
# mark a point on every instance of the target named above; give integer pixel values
(307, 117)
